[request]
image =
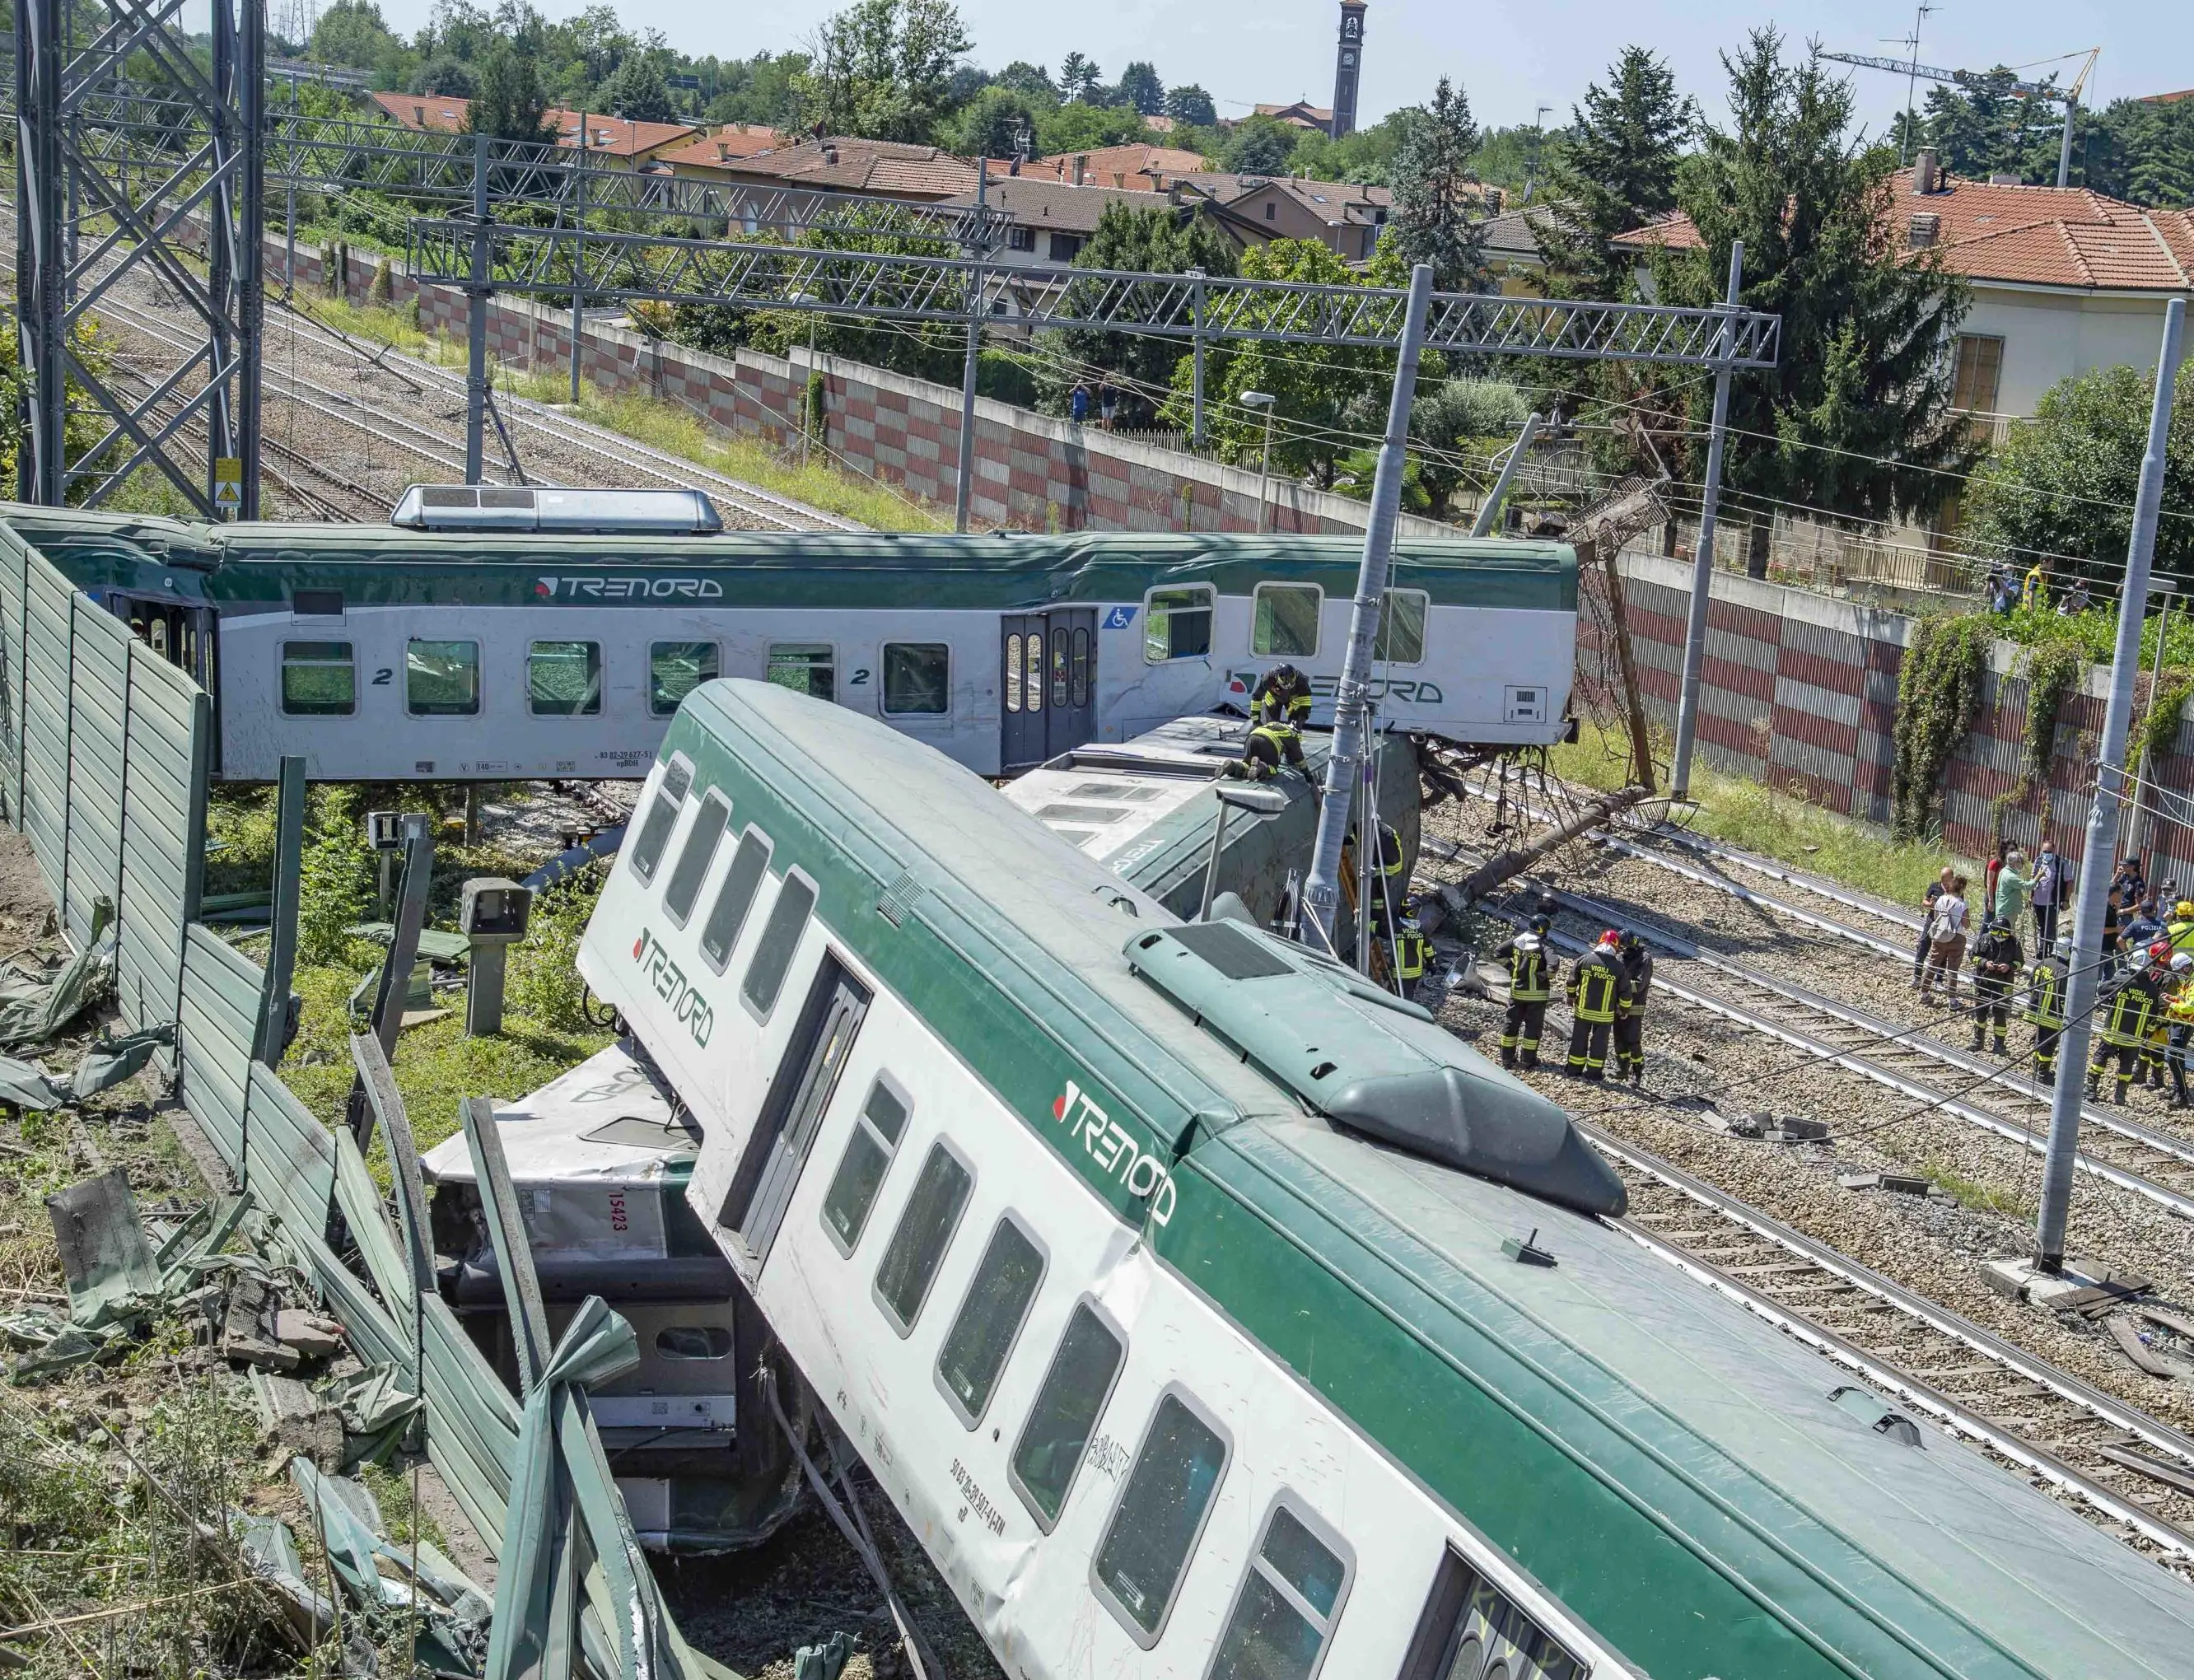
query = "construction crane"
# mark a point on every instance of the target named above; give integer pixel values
(2046, 90)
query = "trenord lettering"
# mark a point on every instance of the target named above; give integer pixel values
(1108, 1145)
(668, 981)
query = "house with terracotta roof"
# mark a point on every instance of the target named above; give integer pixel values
(879, 169)
(1050, 220)
(1133, 168)
(618, 142)
(1256, 209)
(1300, 114)
(2064, 279)
(726, 143)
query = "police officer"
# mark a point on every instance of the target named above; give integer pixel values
(2045, 1005)
(1631, 1013)
(1596, 989)
(2131, 1003)
(1281, 696)
(1531, 971)
(1997, 959)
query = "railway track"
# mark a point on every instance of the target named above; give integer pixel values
(1963, 1084)
(2131, 1472)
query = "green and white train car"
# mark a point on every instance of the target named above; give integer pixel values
(1183, 1292)
(386, 653)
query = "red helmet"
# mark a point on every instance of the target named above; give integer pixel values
(1610, 938)
(2160, 951)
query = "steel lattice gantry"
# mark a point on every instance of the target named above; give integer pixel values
(92, 212)
(646, 267)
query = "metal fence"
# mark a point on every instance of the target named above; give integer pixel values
(104, 748)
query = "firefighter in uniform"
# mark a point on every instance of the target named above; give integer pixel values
(1997, 959)
(2045, 1006)
(1268, 747)
(1413, 952)
(1630, 1013)
(2179, 1007)
(1596, 989)
(2131, 1003)
(1281, 696)
(1531, 984)
(2181, 930)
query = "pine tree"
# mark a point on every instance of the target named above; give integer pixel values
(1855, 418)
(1433, 198)
(509, 103)
(638, 92)
(1614, 171)
(1139, 87)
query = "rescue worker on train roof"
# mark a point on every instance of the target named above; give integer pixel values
(2046, 985)
(1281, 696)
(1997, 959)
(1597, 986)
(1531, 971)
(2132, 1003)
(1279, 706)
(1631, 1013)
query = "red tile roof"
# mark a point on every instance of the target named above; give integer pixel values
(890, 167)
(445, 114)
(1132, 168)
(2048, 236)
(731, 143)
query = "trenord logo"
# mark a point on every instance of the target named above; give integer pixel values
(627, 589)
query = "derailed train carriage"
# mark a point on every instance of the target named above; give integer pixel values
(1207, 1311)
(390, 653)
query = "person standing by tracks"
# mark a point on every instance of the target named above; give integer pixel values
(2015, 885)
(1596, 989)
(1532, 970)
(2131, 1003)
(2050, 883)
(1997, 959)
(2046, 985)
(1936, 889)
(1631, 1013)
(2179, 1008)
(1946, 941)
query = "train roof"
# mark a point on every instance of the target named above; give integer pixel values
(1011, 572)
(1686, 1480)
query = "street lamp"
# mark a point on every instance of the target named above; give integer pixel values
(1264, 400)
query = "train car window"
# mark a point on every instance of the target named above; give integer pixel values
(1177, 623)
(1032, 672)
(853, 1193)
(805, 667)
(1065, 1416)
(734, 899)
(1289, 1599)
(674, 670)
(692, 865)
(1401, 626)
(1012, 673)
(990, 1319)
(662, 818)
(442, 679)
(317, 603)
(1160, 1517)
(780, 937)
(1284, 622)
(1060, 658)
(1470, 1629)
(917, 678)
(564, 679)
(319, 679)
(693, 1341)
(1082, 666)
(924, 1233)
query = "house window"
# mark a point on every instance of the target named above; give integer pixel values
(1980, 373)
(1021, 238)
(1272, 210)
(1063, 246)
(319, 680)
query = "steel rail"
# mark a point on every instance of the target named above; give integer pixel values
(1886, 1374)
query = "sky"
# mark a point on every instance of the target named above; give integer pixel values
(1510, 55)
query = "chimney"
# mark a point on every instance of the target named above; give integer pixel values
(1926, 177)
(723, 150)
(2001, 178)
(1925, 228)
(1081, 167)
(830, 154)
(419, 114)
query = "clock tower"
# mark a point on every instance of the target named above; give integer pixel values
(1347, 66)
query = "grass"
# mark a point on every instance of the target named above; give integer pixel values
(1978, 1198)
(1755, 817)
(659, 424)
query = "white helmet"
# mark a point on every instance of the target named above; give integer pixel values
(2180, 962)
(1527, 942)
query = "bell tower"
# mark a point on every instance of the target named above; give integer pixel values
(1346, 64)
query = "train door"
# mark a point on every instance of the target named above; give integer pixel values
(793, 1111)
(1049, 661)
(181, 633)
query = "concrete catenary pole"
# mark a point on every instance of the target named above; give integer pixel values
(579, 258)
(2102, 820)
(964, 493)
(1322, 891)
(1483, 524)
(1695, 629)
(476, 318)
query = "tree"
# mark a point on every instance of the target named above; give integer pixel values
(1083, 128)
(638, 92)
(2063, 484)
(883, 68)
(1453, 429)
(1187, 103)
(450, 77)
(1139, 87)
(1032, 79)
(763, 90)
(1431, 180)
(1077, 75)
(1261, 145)
(1855, 418)
(353, 32)
(1981, 127)
(1612, 173)
(992, 125)
(1160, 239)
(509, 105)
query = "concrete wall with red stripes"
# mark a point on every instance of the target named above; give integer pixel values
(1799, 689)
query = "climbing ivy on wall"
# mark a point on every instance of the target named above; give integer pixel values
(2159, 730)
(1939, 692)
(2051, 680)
